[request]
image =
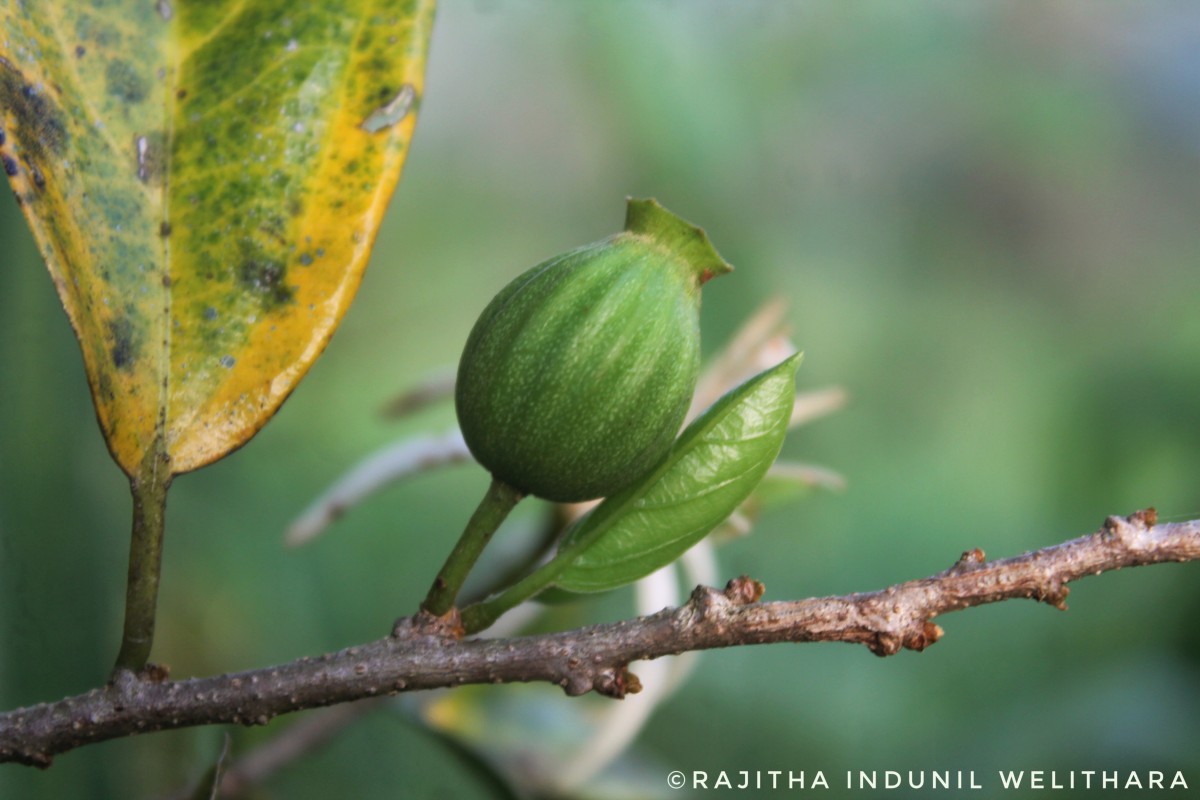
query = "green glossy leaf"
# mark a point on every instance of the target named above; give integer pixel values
(714, 466)
(205, 179)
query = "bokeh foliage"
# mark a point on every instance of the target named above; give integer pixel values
(984, 217)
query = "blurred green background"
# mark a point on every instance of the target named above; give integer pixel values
(985, 218)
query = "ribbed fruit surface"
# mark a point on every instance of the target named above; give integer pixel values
(577, 376)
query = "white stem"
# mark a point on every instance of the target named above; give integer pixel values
(392, 463)
(622, 722)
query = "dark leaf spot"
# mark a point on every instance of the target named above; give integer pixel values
(124, 83)
(10, 165)
(80, 50)
(38, 121)
(124, 349)
(265, 276)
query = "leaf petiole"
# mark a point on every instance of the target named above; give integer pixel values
(482, 615)
(575, 542)
(149, 489)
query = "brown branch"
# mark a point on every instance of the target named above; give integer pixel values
(426, 653)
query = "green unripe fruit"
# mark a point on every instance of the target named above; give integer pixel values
(577, 376)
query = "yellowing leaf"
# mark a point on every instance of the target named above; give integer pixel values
(205, 180)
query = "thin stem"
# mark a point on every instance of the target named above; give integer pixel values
(539, 552)
(149, 490)
(480, 616)
(494, 507)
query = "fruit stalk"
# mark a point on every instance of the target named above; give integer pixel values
(495, 506)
